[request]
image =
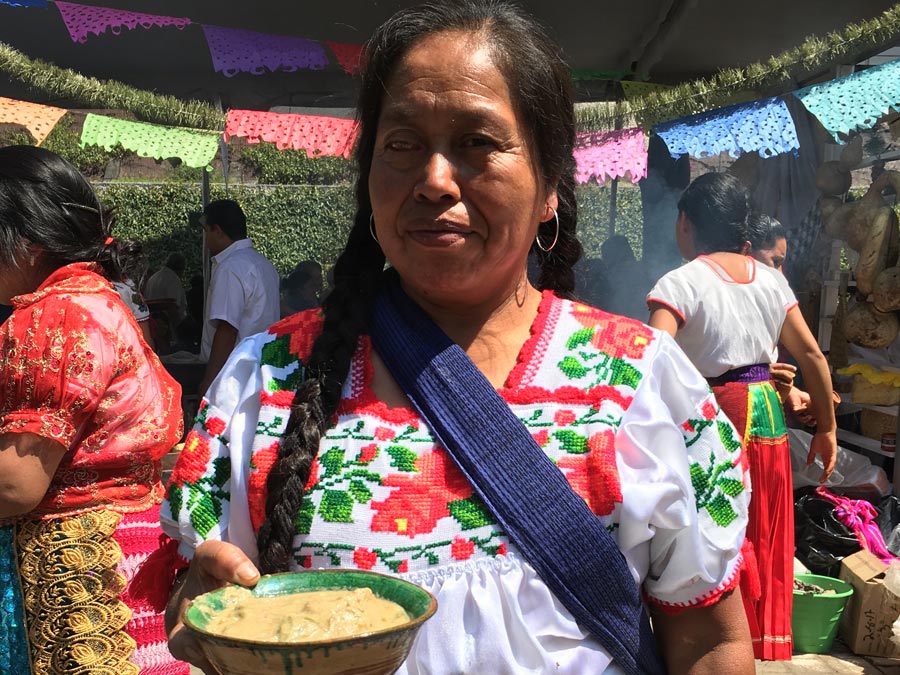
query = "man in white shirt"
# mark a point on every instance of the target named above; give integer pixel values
(243, 296)
(165, 284)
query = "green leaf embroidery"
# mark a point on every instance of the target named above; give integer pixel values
(582, 337)
(360, 492)
(726, 433)
(333, 461)
(571, 367)
(699, 480)
(624, 373)
(573, 443)
(721, 511)
(289, 383)
(175, 500)
(402, 458)
(221, 471)
(205, 515)
(337, 507)
(470, 513)
(730, 486)
(304, 518)
(277, 353)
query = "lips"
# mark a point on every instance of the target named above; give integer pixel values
(438, 234)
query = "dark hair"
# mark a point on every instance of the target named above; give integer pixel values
(304, 272)
(718, 206)
(46, 202)
(175, 262)
(229, 216)
(541, 90)
(765, 231)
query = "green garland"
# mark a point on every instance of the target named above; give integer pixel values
(690, 98)
(93, 93)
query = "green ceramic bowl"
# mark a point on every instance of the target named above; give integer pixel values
(377, 653)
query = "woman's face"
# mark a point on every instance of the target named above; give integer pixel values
(773, 257)
(455, 195)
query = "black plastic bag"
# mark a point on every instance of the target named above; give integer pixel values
(888, 521)
(822, 541)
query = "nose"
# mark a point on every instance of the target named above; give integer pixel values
(438, 179)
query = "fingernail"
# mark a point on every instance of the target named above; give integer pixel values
(246, 573)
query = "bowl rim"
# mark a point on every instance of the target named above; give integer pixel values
(314, 644)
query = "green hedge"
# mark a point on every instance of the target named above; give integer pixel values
(287, 223)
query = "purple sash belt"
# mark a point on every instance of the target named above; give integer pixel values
(758, 372)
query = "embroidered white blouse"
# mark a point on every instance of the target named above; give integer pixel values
(616, 405)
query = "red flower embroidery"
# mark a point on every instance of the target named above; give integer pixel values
(564, 417)
(367, 454)
(421, 498)
(595, 476)
(709, 411)
(303, 327)
(192, 461)
(260, 465)
(313, 475)
(215, 426)
(542, 437)
(462, 549)
(384, 433)
(403, 567)
(614, 335)
(501, 549)
(364, 558)
(306, 561)
(687, 426)
(277, 399)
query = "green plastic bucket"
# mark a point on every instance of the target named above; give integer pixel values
(814, 620)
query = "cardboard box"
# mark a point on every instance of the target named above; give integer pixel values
(867, 622)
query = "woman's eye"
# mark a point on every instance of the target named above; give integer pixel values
(477, 142)
(399, 145)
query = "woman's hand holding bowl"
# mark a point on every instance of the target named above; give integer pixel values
(215, 564)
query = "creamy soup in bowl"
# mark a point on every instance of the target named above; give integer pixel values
(327, 622)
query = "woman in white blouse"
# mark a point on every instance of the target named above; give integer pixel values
(729, 313)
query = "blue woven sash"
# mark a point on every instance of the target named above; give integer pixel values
(550, 524)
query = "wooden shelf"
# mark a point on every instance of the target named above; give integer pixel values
(864, 442)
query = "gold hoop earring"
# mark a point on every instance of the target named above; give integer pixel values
(537, 238)
(372, 226)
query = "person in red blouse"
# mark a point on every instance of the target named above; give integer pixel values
(86, 413)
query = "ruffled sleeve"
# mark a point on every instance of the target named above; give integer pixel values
(206, 497)
(682, 461)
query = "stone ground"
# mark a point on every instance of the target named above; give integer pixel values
(839, 660)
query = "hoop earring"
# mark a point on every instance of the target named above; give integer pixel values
(537, 238)
(372, 226)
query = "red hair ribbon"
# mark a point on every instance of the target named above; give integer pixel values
(108, 241)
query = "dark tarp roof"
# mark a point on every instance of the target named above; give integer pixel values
(677, 39)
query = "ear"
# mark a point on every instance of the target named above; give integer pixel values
(551, 205)
(746, 247)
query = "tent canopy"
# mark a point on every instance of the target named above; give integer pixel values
(668, 41)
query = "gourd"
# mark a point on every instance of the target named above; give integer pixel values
(886, 290)
(832, 179)
(850, 221)
(879, 249)
(867, 327)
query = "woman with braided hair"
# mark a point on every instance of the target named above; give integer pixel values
(87, 411)
(313, 448)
